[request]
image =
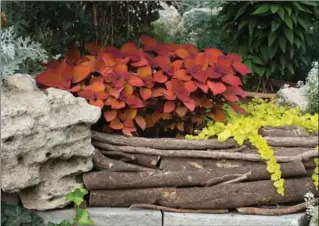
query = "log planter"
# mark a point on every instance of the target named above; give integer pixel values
(200, 175)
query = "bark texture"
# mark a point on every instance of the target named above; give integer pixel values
(118, 180)
(224, 196)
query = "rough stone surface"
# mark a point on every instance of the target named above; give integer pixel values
(109, 216)
(45, 140)
(134, 217)
(294, 97)
(315, 218)
(179, 219)
(169, 17)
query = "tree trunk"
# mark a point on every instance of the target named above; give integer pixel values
(224, 196)
(104, 163)
(215, 154)
(162, 143)
(116, 180)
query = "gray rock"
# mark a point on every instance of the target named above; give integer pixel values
(315, 218)
(169, 18)
(109, 216)
(190, 219)
(294, 97)
(45, 140)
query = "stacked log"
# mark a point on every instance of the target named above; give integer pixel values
(199, 175)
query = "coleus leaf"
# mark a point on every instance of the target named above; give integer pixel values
(128, 131)
(216, 87)
(98, 103)
(182, 75)
(230, 97)
(82, 70)
(148, 42)
(211, 73)
(220, 116)
(110, 115)
(190, 86)
(86, 94)
(241, 68)
(129, 113)
(143, 72)
(160, 77)
(145, 93)
(116, 124)
(135, 81)
(140, 122)
(181, 111)
(236, 108)
(117, 104)
(182, 53)
(200, 76)
(231, 79)
(169, 106)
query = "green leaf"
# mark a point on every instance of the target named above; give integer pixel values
(82, 217)
(260, 71)
(257, 60)
(274, 8)
(300, 34)
(77, 195)
(264, 52)
(288, 9)
(262, 9)
(297, 42)
(290, 68)
(243, 49)
(272, 67)
(304, 23)
(294, 19)
(252, 24)
(241, 10)
(300, 7)
(271, 38)
(292, 51)
(242, 24)
(289, 35)
(288, 21)
(273, 50)
(283, 61)
(281, 13)
(282, 43)
(274, 25)
(15, 215)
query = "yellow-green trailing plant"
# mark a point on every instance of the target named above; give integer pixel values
(245, 127)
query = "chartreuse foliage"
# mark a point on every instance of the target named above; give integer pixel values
(272, 35)
(245, 127)
(136, 86)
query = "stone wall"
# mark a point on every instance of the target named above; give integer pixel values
(45, 141)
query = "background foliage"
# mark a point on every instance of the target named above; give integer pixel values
(59, 24)
(273, 36)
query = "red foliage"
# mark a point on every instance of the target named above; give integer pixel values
(176, 83)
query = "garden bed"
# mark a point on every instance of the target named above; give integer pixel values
(199, 174)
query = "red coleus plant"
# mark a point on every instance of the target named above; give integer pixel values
(175, 84)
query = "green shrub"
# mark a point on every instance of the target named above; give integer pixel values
(272, 35)
(59, 24)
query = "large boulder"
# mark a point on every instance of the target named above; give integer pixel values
(45, 140)
(294, 97)
(169, 18)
